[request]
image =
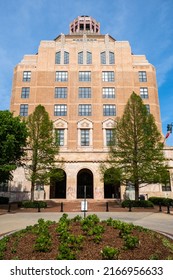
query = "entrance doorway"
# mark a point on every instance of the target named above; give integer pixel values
(85, 178)
(58, 187)
(111, 186)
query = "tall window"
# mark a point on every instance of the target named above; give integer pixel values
(26, 76)
(148, 108)
(59, 137)
(144, 92)
(84, 92)
(84, 110)
(58, 58)
(108, 92)
(103, 57)
(61, 76)
(66, 58)
(167, 186)
(60, 110)
(85, 137)
(108, 76)
(60, 92)
(25, 92)
(84, 76)
(109, 110)
(109, 137)
(24, 110)
(142, 76)
(80, 58)
(89, 58)
(111, 58)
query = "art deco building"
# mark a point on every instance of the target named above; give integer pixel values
(83, 80)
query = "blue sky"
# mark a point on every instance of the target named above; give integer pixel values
(147, 25)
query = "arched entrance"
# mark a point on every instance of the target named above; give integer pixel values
(111, 185)
(85, 178)
(58, 187)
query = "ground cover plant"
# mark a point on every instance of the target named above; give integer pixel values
(85, 239)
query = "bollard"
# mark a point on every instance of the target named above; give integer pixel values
(107, 207)
(9, 207)
(38, 207)
(130, 207)
(160, 207)
(168, 209)
(61, 207)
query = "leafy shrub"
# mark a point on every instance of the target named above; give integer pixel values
(3, 245)
(130, 242)
(137, 203)
(109, 253)
(161, 200)
(4, 200)
(33, 204)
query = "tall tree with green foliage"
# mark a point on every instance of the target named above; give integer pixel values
(41, 148)
(13, 134)
(136, 153)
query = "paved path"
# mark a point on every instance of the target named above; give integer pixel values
(157, 221)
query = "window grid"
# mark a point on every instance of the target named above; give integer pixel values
(61, 76)
(24, 110)
(58, 58)
(108, 92)
(59, 137)
(80, 58)
(85, 141)
(84, 110)
(103, 57)
(89, 58)
(108, 76)
(142, 76)
(84, 76)
(148, 108)
(25, 92)
(60, 92)
(109, 110)
(111, 58)
(144, 92)
(84, 92)
(109, 136)
(60, 110)
(26, 76)
(66, 58)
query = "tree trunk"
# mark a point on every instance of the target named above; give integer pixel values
(32, 191)
(136, 191)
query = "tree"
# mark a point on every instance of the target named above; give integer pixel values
(136, 152)
(42, 148)
(13, 134)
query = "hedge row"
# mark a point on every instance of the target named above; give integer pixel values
(32, 204)
(137, 203)
(161, 201)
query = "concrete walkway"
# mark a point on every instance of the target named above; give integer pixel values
(156, 221)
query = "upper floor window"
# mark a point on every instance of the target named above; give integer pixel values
(111, 58)
(109, 137)
(89, 58)
(109, 110)
(26, 76)
(61, 76)
(59, 137)
(60, 110)
(80, 58)
(84, 92)
(85, 137)
(24, 110)
(108, 76)
(25, 92)
(60, 92)
(84, 76)
(66, 58)
(103, 57)
(108, 92)
(148, 108)
(144, 92)
(142, 76)
(84, 110)
(58, 57)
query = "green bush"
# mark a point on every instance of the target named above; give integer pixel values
(161, 200)
(33, 204)
(137, 203)
(4, 200)
(109, 253)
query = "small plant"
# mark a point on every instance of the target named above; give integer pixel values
(65, 253)
(97, 238)
(3, 246)
(109, 253)
(154, 257)
(43, 243)
(130, 242)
